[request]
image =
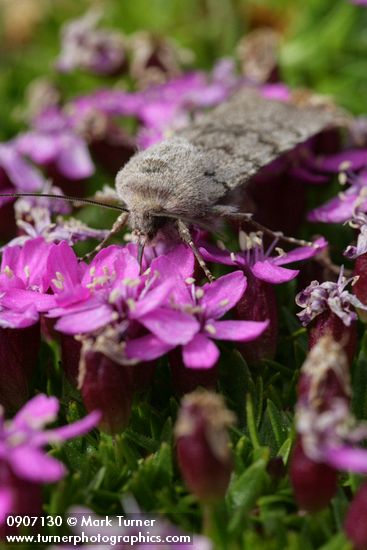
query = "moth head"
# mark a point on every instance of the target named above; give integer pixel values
(146, 224)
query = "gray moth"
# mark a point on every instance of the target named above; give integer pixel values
(197, 175)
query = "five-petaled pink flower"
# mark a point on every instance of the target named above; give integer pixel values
(22, 442)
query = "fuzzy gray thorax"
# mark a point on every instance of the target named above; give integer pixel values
(172, 179)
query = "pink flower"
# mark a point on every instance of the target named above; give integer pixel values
(110, 290)
(207, 304)
(53, 141)
(22, 457)
(85, 46)
(16, 170)
(24, 284)
(351, 165)
(261, 261)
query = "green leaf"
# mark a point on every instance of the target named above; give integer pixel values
(278, 423)
(245, 490)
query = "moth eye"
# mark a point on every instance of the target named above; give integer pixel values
(209, 173)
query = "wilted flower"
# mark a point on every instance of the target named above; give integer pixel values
(327, 430)
(359, 222)
(202, 442)
(359, 254)
(96, 50)
(330, 308)
(23, 462)
(258, 52)
(33, 218)
(333, 296)
(155, 58)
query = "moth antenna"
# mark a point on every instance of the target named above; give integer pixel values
(185, 235)
(117, 226)
(275, 234)
(66, 198)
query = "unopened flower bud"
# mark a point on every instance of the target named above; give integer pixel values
(202, 439)
(18, 359)
(70, 356)
(355, 524)
(258, 303)
(314, 483)
(185, 380)
(106, 386)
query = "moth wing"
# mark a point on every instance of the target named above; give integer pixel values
(248, 132)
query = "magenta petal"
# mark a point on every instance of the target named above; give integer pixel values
(35, 465)
(22, 174)
(200, 353)
(302, 253)
(41, 148)
(74, 160)
(224, 293)
(146, 348)
(184, 260)
(348, 458)
(19, 299)
(271, 273)
(170, 326)
(38, 412)
(241, 331)
(62, 267)
(6, 503)
(214, 254)
(76, 429)
(346, 160)
(152, 299)
(18, 319)
(339, 209)
(85, 321)
(31, 263)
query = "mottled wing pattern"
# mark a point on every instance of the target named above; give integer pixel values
(248, 132)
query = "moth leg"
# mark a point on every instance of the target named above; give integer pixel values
(185, 235)
(117, 226)
(241, 216)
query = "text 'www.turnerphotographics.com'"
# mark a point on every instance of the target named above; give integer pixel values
(77, 528)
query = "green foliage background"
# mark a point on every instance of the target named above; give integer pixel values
(324, 47)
